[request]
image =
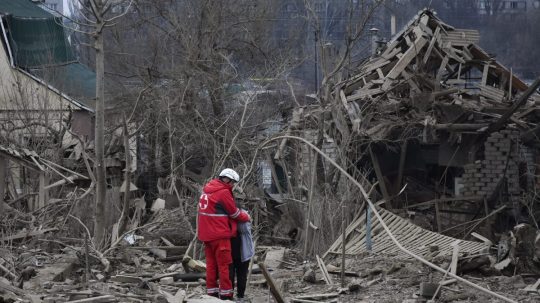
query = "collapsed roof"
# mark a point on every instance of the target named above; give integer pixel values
(431, 77)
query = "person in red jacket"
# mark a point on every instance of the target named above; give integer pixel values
(217, 219)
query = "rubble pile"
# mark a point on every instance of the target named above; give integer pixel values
(432, 77)
(447, 137)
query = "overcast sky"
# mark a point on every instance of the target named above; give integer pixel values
(66, 8)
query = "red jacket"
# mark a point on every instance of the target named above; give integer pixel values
(218, 212)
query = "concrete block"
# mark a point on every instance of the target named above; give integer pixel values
(427, 290)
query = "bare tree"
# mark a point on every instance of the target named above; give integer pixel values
(96, 18)
(193, 56)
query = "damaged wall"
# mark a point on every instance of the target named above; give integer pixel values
(500, 161)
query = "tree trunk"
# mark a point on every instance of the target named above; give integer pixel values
(127, 178)
(217, 102)
(3, 173)
(100, 202)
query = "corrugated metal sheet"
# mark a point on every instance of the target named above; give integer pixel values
(411, 236)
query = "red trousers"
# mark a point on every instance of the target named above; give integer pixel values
(218, 257)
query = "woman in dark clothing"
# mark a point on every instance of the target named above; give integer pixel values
(242, 251)
(238, 269)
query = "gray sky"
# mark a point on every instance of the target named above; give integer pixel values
(66, 8)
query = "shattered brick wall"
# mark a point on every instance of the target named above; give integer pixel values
(500, 154)
(329, 147)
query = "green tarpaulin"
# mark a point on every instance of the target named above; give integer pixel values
(22, 8)
(38, 42)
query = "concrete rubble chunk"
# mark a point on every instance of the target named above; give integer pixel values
(309, 276)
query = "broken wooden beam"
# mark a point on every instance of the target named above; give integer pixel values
(190, 264)
(160, 253)
(497, 125)
(61, 182)
(185, 277)
(407, 57)
(271, 284)
(297, 300)
(460, 126)
(167, 248)
(13, 289)
(532, 288)
(455, 257)
(100, 299)
(26, 234)
(3, 184)
(324, 271)
(126, 279)
(318, 297)
(7, 271)
(177, 298)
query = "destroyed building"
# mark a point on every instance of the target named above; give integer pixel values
(47, 100)
(447, 120)
(427, 150)
(39, 68)
(436, 114)
(442, 133)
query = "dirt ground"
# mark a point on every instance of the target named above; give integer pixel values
(371, 278)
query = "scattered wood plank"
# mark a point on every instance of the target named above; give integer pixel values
(271, 284)
(169, 243)
(13, 289)
(7, 271)
(440, 72)
(497, 125)
(3, 170)
(318, 297)
(436, 36)
(312, 301)
(460, 126)
(455, 256)
(532, 288)
(364, 93)
(407, 57)
(27, 234)
(126, 279)
(482, 238)
(492, 93)
(193, 265)
(185, 277)
(100, 299)
(177, 298)
(461, 37)
(160, 253)
(324, 271)
(167, 248)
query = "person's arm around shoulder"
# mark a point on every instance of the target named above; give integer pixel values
(234, 212)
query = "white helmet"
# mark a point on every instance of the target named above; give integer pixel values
(230, 173)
